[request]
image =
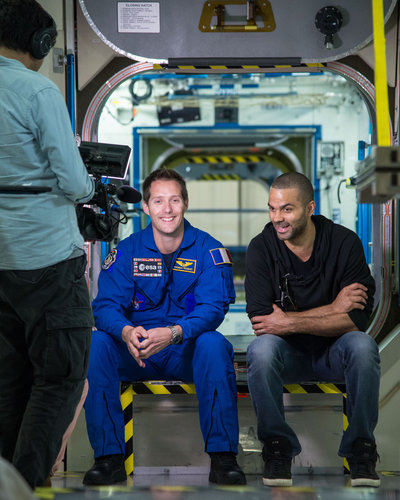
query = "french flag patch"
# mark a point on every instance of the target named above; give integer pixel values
(221, 256)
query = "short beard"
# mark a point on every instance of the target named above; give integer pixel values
(296, 232)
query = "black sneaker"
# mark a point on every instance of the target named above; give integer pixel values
(362, 464)
(225, 470)
(106, 470)
(278, 460)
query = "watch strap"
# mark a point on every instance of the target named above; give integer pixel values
(176, 337)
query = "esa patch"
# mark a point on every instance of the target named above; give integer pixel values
(109, 260)
(221, 256)
(147, 267)
(185, 265)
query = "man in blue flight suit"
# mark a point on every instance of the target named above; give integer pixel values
(162, 293)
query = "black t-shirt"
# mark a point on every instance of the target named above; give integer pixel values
(301, 268)
(168, 259)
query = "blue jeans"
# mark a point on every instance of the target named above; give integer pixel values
(275, 361)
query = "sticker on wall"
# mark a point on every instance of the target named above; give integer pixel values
(138, 17)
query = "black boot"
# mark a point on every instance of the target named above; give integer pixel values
(225, 470)
(109, 469)
(362, 463)
(277, 455)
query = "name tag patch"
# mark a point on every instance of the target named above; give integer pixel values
(221, 256)
(147, 267)
(185, 265)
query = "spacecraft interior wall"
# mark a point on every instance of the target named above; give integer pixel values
(158, 31)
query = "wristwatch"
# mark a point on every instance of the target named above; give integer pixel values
(176, 336)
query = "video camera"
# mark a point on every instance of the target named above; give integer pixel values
(103, 162)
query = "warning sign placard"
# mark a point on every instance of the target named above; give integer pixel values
(138, 17)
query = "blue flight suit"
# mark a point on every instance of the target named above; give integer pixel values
(135, 287)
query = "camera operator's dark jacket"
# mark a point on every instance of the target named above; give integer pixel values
(337, 261)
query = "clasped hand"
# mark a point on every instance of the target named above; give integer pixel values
(143, 343)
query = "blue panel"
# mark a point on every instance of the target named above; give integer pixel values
(364, 213)
(71, 89)
(199, 87)
(165, 76)
(361, 150)
(291, 128)
(135, 182)
(317, 186)
(364, 228)
(105, 250)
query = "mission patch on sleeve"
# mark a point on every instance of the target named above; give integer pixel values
(109, 260)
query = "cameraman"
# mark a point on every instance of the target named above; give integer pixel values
(45, 315)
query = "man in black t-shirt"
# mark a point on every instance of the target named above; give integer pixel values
(309, 296)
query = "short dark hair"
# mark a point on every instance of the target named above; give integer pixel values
(295, 180)
(19, 20)
(165, 174)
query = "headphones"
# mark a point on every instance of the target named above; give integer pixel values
(43, 40)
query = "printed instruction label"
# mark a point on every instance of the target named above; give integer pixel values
(138, 17)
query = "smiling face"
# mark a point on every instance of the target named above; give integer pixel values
(290, 216)
(166, 209)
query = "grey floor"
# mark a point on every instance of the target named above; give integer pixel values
(68, 485)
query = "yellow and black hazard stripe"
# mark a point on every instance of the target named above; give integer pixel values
(226, 159)
(162, 387)
(126, 403)
(219, 165)
(316, 388)
(309, 388)
(220, 177)
(206, 65)
(129, 389)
